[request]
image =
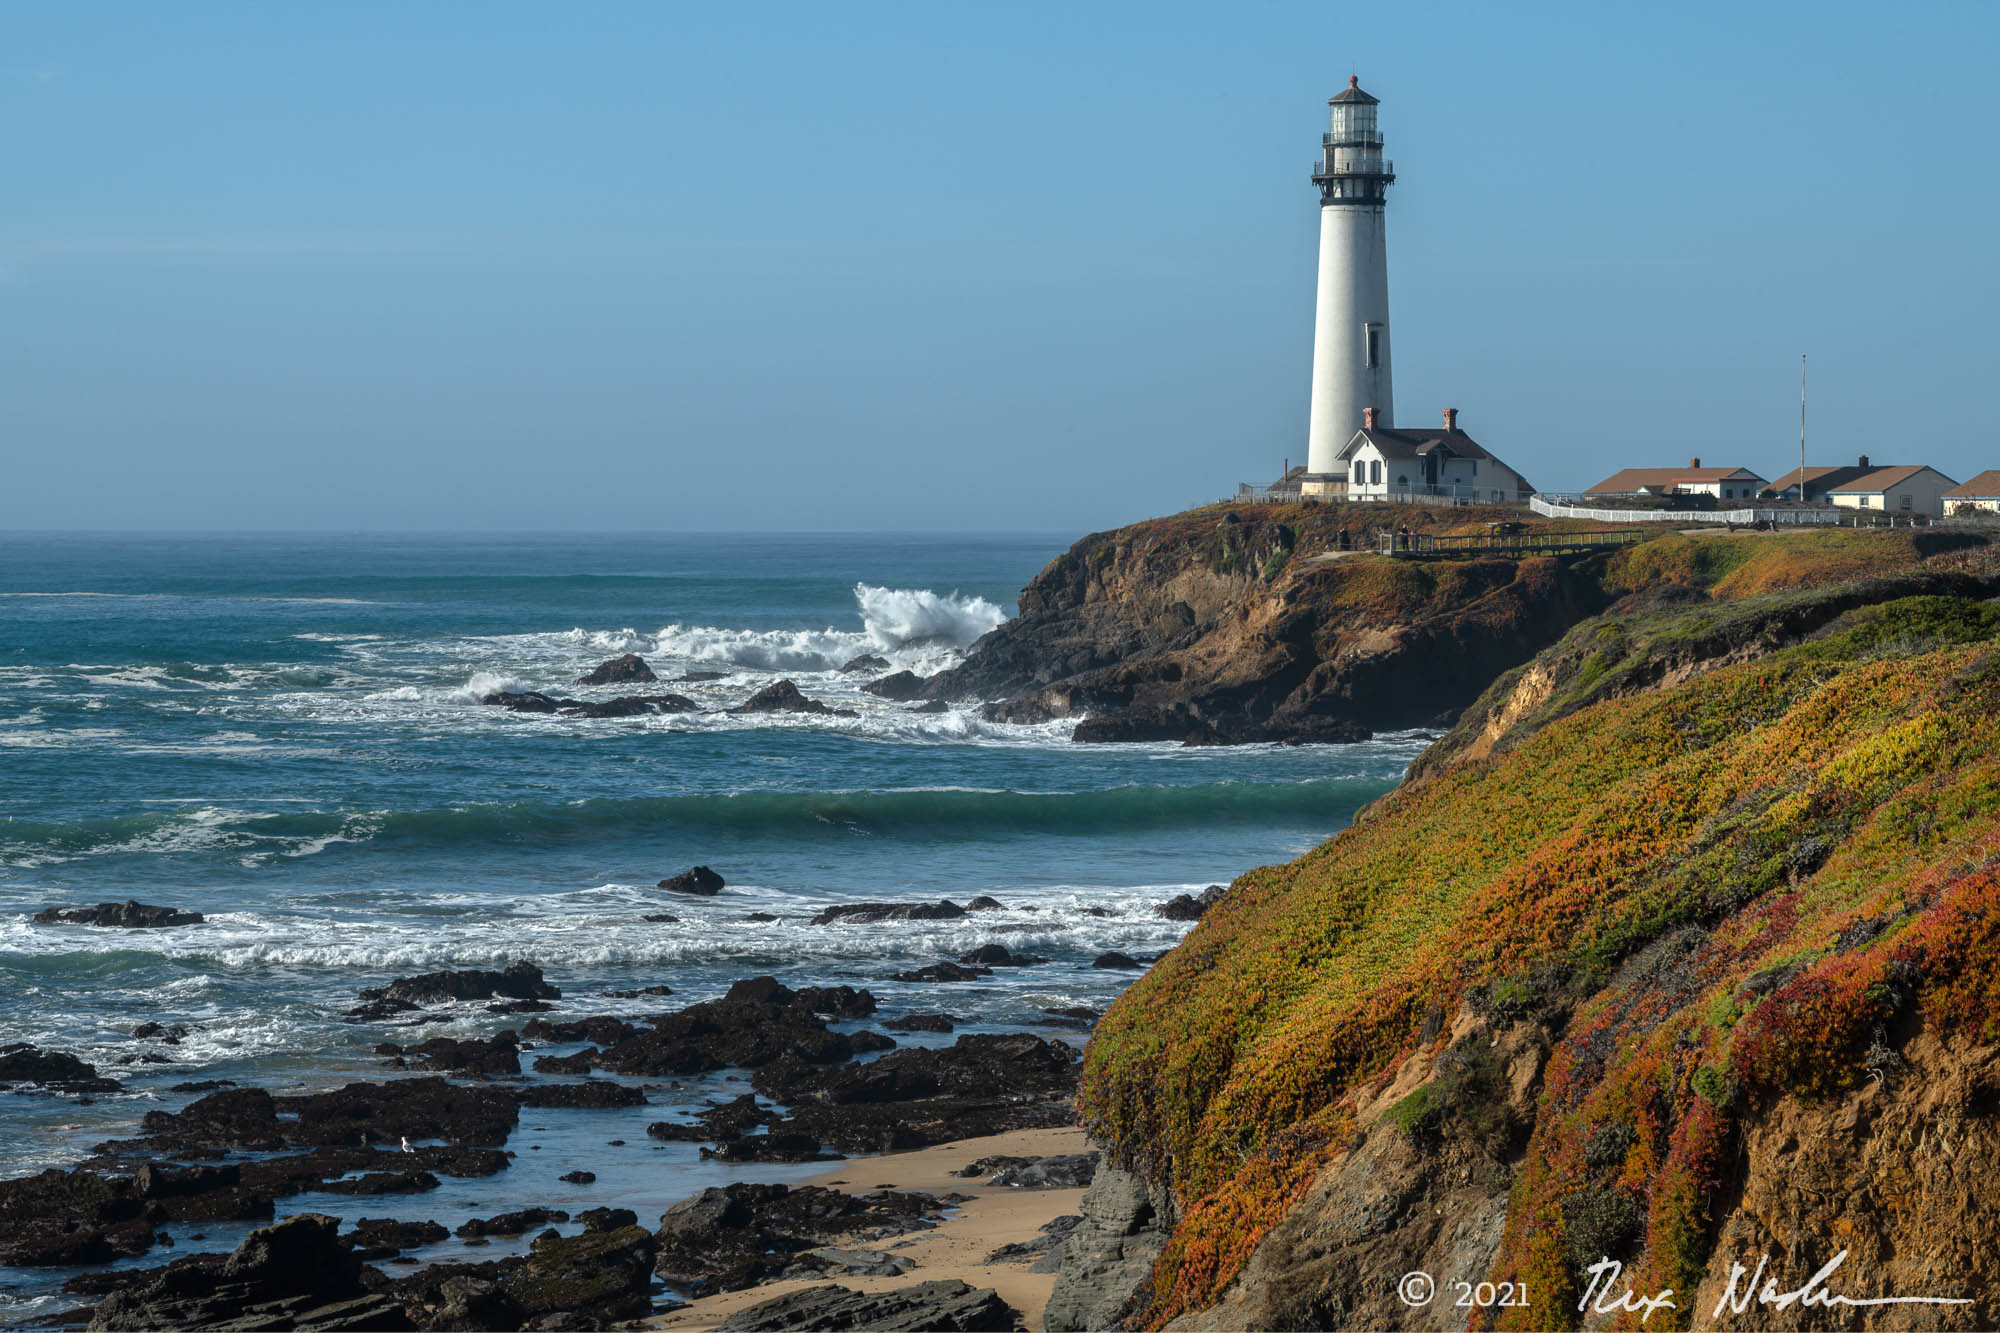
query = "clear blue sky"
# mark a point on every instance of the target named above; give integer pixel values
(926, 266)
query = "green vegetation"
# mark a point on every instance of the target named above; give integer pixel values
(1753, 828)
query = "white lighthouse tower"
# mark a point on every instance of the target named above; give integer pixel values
(1351, 332)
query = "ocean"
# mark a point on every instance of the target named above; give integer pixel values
(283, 732)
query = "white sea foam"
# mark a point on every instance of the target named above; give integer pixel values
(484, 683)
(893, 617)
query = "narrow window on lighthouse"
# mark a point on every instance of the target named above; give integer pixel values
(1374, 346)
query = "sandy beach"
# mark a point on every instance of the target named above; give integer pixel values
(958, 1247)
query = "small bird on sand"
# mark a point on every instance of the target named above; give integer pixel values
(406, 1144)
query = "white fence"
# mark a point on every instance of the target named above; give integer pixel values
(1811, 517)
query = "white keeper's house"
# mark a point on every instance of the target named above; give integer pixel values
(1896, 490)
(1724, 483)
(1982, 493)
(1385, 463)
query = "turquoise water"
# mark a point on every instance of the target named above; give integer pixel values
(281, 732)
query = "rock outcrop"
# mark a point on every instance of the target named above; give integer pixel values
(129, 915)
(784, 697)
(949, 1306)
(626, 670)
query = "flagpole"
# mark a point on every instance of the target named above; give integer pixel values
(1802, 428)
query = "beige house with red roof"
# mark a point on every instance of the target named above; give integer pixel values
(1981, 493)
(1724, 483)
(1895, 490)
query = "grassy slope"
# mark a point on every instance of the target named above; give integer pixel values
(1824, 819)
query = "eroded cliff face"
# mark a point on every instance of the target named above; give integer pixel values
(1683, 950)
(1261, 622)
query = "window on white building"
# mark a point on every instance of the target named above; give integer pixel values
(1373, 343)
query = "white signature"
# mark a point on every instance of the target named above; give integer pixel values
(1736, 1298)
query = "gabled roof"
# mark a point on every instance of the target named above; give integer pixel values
(1414, 443)
(1985, 486)
(1352, 93)
(1822, 479)
(1880, 480)
(1635, 479)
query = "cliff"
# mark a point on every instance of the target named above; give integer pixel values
(1258, 623)
(1678, 950)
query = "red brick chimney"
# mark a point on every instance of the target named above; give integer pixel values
(1451, 418)
(1694, 462)
(1368, 418)
(1864, 460)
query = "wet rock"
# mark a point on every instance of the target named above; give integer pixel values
(985, 904)
(865, 913)
(837, 1001)
(520, 981)
(601, 1029)
(584, 1281)
(164, 1033)
(607, 1219)
(865, 662)
(758, 1022)
(643, 990)
(520, 1007)
(1118, 961)
(784, 697)
(865, 1041)
(57, 1071)
(204, 1085)
(499, 1054)
(1047, 1245)
(385, 1237)
(382, 1182)
(762, 916)
(940, 972)
(1187, 907)
(629, 669)
(129, 915)
(292, 1274)
(417, 1108)
(1067, 1172)
(999, 955)
(771, 1147)
(947, 1307)
(235, 1117)
(591, 1094)
(1075, 1015)
(578, 1177)
(733, 1237)
(932, 706)
(697, 677)
(512, 1224)
(660, 918)
(70, 1217)
(700, 881)
(902, 687)
(925, 1023)
(629, 705)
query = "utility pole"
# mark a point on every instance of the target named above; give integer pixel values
(1802, 428)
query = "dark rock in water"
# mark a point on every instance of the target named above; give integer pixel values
(734, 1237)
(760, 990)
(581, 1178)
(864, 913)
(697, 677)
(511, 1224)
(70, 1217)
(1098, 911)
(915, 1097)
(1087, 1017)
(520, 981)
(865, 662)
(772, 1147)
(1187, 907)
(607, 1219)
(932, 706)
(658, 918)
(588, 1281)
(499, 1054)
(629, 705)
(759, 1021)
(643, 990)
(293, 1274)
(383, 1237)
(672, 1131)
(942, 1307)
(902, 687)
(520, 1007)
(735, 1118)
(944, 972)
(590, 1094)
(204, 1085)
(619, 671)
(924, 1023)
(999, 955)
(838, 1001)
(164, 1033)
(984, 904)
(601, 1029)
(784, 697)
(1114, 959)
(382, 1182)
(865, 1041)
(57, 1071)
(415, 1108)
(1047, 1242)
(699, 880)
(128, 915)
(762, 916)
